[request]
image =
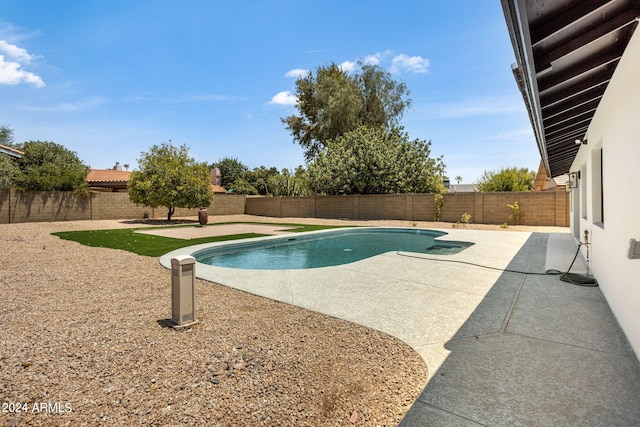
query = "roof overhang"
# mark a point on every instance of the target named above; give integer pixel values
(566, 52)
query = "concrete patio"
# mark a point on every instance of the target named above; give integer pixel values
(502, 348)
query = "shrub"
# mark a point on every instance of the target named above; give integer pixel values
(439, 200)
(516, 215)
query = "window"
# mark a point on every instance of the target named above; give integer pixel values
(597, 187)
(583, 191)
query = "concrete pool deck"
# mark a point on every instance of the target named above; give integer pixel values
(502, 348)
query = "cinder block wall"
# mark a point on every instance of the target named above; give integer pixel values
(222, 204)
(40, 206)
(541, 208)
(116, 206)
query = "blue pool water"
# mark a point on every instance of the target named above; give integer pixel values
(330, 248)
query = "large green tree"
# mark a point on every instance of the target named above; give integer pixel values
(507, 179)
(169, 177)
(332, 102)
(231, 169)
(376, 161)
(47, 166)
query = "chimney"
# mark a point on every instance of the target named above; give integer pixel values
(216, 177)
(117, 167)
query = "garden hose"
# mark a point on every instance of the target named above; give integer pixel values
(573, 278)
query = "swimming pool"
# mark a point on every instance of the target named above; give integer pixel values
(329, 248)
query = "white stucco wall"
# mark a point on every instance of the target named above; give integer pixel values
(616, 129)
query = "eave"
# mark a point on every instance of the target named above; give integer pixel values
(566, 52)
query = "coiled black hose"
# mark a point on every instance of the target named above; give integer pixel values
(573, 278)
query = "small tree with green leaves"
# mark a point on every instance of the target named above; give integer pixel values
(507, 179)
(517, 214)
(169, 177)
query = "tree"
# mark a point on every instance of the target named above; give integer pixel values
(260, 179)
(332, 103)
(376, 161)
(231, 169)
(242, 186)
(6, 136)
(287, 184)
(458, 179)
(47, 166)
(383, 99)
(9, 171)
(8, 167)
(169, 177)
(507, 179)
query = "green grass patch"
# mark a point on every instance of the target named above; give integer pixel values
(149, 245)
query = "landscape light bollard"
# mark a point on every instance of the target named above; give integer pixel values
(183, 295)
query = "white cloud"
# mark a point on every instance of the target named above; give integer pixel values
(411, 64)
(15, 52)
(11, 71)
(297, 72)
(376, 58)
(284, 98)
(347, 66)
(12, 74)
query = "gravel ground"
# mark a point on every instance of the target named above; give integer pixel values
(85, 342)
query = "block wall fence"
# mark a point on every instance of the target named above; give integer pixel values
(44, 206)
(541, 208)
(537, 208)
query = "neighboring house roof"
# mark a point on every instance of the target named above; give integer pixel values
(108, 177)
(217, 189)
(462, 188)
(11, 151)
(544, 183)
(566, 52)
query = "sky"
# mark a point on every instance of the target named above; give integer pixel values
(110, 79)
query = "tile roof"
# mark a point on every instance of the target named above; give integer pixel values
(108, 175)
(11, 151)
(103, 176)
(217, 189)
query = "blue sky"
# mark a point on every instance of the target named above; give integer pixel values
(109, 79)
